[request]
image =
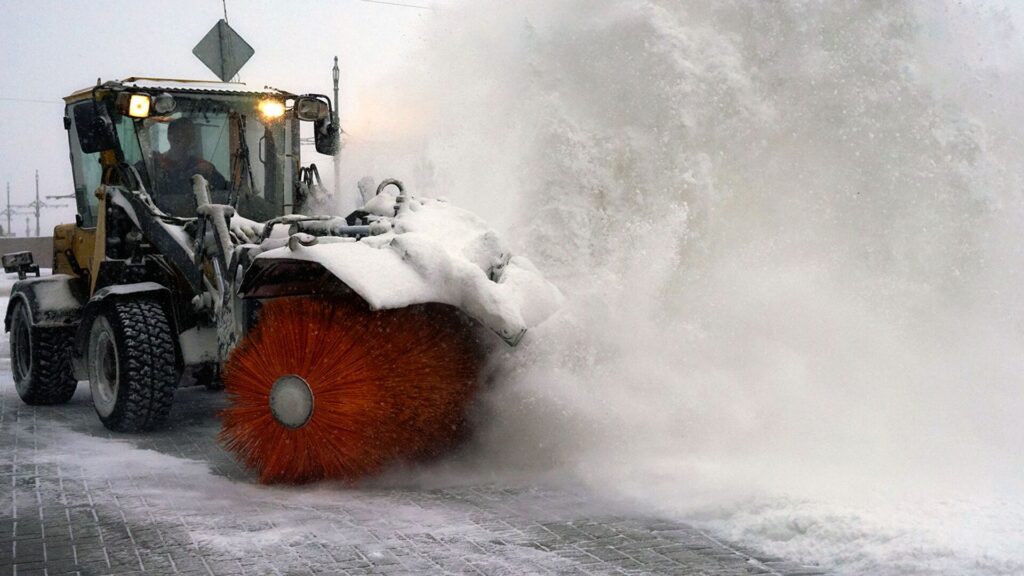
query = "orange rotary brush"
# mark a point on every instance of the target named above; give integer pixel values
(327, 388)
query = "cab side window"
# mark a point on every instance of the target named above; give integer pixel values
(87, 172)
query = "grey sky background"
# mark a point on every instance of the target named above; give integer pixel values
(50, 48)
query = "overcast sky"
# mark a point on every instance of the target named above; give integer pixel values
(50, 48)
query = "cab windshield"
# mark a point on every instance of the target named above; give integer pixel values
(228, 142)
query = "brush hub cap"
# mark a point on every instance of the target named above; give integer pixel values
(291, 401)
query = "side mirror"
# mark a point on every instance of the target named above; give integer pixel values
(325, 136)
(94, 127)
(317, 108)
(311, 108)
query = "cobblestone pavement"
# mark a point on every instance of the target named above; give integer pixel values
(75, 498)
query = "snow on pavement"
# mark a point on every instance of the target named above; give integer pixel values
(75, 497)
(918, 535)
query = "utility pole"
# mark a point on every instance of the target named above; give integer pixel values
(37, 206)
(337, 150)
(10, 211)
(37, 203)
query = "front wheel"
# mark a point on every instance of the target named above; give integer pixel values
(40, 360)
(133, 365)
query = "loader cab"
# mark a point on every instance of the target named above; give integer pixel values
(244, 142)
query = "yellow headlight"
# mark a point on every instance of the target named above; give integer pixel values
(271, 109)
(138, 106)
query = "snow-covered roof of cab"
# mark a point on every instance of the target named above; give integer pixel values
(179, 85)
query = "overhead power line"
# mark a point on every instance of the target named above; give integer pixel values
(32, 100)
(399, 4)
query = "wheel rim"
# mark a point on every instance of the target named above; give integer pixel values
(21, 349)
(103, 368)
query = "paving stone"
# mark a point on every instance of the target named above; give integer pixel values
(61, 514)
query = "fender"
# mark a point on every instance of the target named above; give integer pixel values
(53, 301)
(99, 301)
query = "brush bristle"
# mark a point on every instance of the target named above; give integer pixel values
(387, 386)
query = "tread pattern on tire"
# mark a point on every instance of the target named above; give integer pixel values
(148, 365)
(50, 378)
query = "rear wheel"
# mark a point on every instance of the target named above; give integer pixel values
(40, 360)
(133, 365)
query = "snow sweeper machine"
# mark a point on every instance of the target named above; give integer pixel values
(200, 255)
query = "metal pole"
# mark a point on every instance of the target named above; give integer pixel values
(37, 203)
(28, 232)
(337, 151)
(9, 231)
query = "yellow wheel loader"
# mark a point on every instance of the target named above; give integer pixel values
(193, 212)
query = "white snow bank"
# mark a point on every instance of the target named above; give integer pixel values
(434, 252)
(916, 535)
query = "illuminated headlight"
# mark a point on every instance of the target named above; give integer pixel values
(271, 109)
(138, 105)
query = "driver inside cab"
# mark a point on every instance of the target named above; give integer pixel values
(173, 169)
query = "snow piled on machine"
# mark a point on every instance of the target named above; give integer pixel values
(424, 250)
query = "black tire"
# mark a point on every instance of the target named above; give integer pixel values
(133, 365)
(41, 360)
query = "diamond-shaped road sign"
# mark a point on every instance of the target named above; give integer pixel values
(223, 51)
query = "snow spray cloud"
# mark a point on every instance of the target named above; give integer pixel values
(789, 234)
